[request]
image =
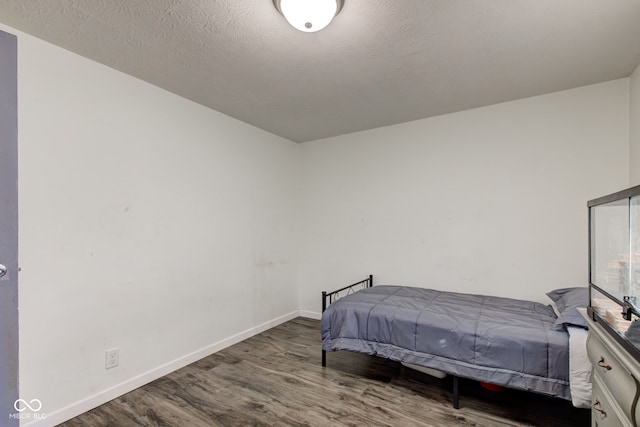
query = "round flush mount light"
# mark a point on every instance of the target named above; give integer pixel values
(309, 15)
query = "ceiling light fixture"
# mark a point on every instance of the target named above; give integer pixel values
(309, 15)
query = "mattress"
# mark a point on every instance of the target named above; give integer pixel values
(579, 368)
(497, 340)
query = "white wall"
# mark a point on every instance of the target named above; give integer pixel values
(634, 128)
(491, 200)
(147, 222)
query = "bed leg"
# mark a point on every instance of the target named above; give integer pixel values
(456, 394)
(324, 307)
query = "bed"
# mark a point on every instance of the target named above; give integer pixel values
(513, 343)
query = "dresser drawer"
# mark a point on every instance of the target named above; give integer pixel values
(604, 411)
(612, 374)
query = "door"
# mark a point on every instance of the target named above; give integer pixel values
(8, 230)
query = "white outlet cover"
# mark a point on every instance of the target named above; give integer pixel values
(112, 358)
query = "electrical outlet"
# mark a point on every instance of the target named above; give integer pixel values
(112, 358)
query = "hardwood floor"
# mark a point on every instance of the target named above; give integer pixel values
(275, 379)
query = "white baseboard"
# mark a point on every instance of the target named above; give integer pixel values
(82, 406)
(310, 314)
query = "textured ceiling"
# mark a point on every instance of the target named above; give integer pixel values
(379, 63)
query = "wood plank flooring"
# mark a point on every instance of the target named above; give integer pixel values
(275, 379)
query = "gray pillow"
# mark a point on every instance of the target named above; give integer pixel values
(567, 300)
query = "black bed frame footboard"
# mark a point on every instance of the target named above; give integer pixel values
(329, 297)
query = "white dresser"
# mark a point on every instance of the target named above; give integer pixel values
(616, 375)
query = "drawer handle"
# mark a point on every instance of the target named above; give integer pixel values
(602, 411)
(602, 365)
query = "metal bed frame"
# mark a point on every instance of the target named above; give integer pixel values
(330, 297)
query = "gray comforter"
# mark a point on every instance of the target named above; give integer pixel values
(497, 340)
